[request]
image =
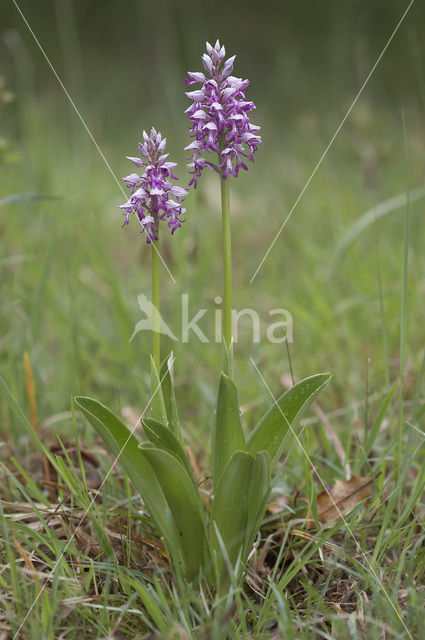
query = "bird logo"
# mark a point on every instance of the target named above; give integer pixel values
(147, 323)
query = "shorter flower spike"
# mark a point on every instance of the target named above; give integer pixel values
(220, 116)
(153, 194)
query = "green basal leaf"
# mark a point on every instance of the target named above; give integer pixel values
(238, 508)
(185, 505)
(163, 438)
(285, 413)
(166, 377)
(228, 434)
(158, 411)
(125, 447)
(229, 512)
(258, 493)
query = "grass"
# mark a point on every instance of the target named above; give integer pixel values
(70, 279)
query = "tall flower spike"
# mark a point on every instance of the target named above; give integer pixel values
(220, 116)
(154, 197)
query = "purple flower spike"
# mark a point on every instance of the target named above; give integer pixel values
(153, 194)
(220, 116)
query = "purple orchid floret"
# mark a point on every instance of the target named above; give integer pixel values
(153, 194)
(220, 116)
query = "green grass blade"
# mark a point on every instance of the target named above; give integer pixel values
(403, 309)
(270, 433)
(420, 412)
(26, 197)
(40, 294)
(418, 389)
(373, 432)
(366, 220)
(153, 608)
(16, 409)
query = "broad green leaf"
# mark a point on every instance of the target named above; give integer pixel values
(238, 508)
(163, 438)
(185, 505)
(166, 376)
(157, 399)
(258, 492)
(125, 447)
(230, 511)
(228, 434)
(269, 435)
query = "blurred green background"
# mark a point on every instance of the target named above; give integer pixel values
(70, 275)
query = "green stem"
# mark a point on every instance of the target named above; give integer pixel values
(227, 261)
(156, 345)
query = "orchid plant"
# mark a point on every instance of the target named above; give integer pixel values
(210, 541)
